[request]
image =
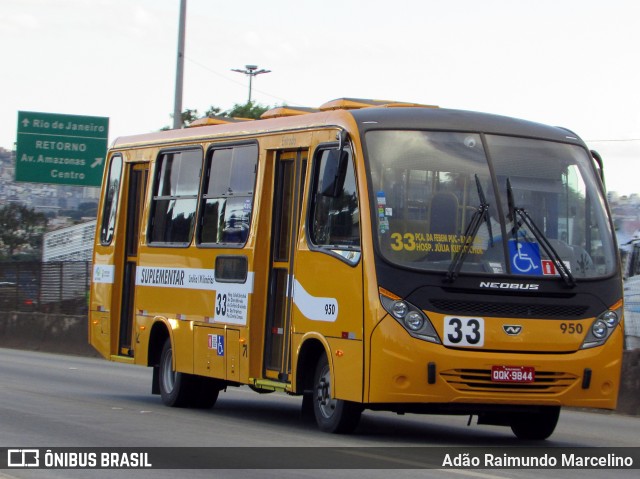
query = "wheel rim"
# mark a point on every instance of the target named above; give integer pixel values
(326, 405)
(168, 374)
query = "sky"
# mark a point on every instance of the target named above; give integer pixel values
(570, 63)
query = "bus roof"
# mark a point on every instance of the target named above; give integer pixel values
(459, 120)
(368, 114)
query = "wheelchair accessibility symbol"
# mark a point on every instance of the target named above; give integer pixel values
(216, 342)
(525, 257)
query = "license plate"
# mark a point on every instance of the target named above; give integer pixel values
(513, 374)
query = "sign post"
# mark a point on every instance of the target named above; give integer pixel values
(61, 149)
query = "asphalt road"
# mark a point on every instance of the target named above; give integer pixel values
(53, 401)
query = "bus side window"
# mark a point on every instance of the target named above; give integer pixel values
(175, 194)
(111, 201)
(227, 196)
(335, 221)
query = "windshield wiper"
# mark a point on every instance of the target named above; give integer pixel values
(479, 215)
(525, 219)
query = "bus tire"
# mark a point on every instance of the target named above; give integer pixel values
(332, 415)
(204, 392)
(536, 426)
(175, 387)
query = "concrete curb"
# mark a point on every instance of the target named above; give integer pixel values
(57, 333)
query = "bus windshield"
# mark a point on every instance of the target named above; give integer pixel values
(488, 204)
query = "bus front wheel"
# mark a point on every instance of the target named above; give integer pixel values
(332, 415)
(181, 389)
(536, 426)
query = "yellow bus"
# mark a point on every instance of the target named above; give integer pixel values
(364, 255)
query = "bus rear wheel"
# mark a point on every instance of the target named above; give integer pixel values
(181, 389)
(536, 426)
(332, 415)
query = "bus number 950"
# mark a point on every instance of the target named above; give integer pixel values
(571, 328)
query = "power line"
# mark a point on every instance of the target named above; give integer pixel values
(293, 103)
(210, 70)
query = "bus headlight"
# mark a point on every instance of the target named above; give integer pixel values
(599, 329)
(611, 318)
(412, 319)
(399, 309)
(602, 327)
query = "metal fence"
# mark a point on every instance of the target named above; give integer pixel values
(51, 287)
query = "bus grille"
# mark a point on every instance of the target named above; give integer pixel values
(479, 380)
(520, 310)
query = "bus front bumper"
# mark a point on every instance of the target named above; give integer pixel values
(405, 370)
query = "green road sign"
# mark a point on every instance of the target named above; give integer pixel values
(61, 149)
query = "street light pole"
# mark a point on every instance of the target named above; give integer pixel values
(177, 105)
(251, 71)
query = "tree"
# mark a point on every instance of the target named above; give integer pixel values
(248, 110)
(188, 117)
(214, 111)
(20, 226)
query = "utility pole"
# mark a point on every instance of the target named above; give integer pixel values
(251, 71)
(177, 105)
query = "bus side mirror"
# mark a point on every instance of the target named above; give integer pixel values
(335, 170)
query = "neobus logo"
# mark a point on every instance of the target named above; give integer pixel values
(512, 329)
(519, 286)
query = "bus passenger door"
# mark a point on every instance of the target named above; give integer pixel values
(138, 174)
(328, 284)
(288, 184)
